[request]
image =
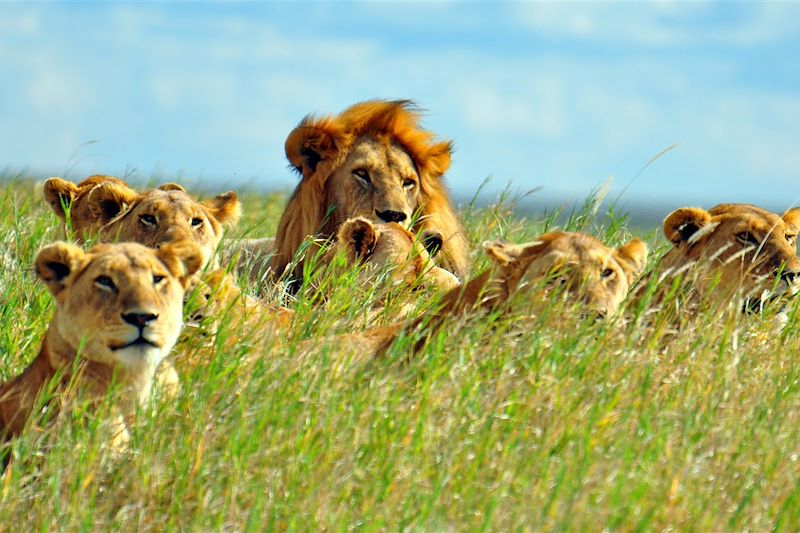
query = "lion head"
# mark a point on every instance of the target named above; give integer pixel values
(587, 270)
(121, 303)
(391, 248)
(119, 310)
(109, 210)
(89, 204)
(733, 250)
(372, 161)
(581, 268)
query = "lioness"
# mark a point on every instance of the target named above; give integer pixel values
(393, 247)
(107, 209)
(730, 253)
(374, 161)
(576, 266)
(118, 312)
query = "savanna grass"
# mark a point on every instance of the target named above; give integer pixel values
(526, 418)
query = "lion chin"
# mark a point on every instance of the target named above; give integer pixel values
(140, 353)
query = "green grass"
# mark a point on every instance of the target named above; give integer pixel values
(518, 421)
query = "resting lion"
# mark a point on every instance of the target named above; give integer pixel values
(730, 253)
(574, 266)
(374, 161)
(107, 209)
(118, 311)
(392, 247)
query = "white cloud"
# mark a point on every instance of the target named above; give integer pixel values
(662, 24)
(535, 108)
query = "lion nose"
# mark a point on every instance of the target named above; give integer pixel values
(140, 320)
(391, 216)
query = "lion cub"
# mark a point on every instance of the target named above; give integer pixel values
(118, 314)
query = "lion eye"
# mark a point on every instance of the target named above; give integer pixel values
(157, 279)
(363, 175)
(607, 273)
(197, 222)
(148, 220)
(104, 283)
(409, 184)
(746, 238)
(791, 239)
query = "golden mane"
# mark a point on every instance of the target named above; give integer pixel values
(318, 146)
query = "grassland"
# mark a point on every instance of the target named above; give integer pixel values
(521, 421)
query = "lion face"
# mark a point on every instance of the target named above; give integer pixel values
(583, 268)
(373, 161)
(89, 204)
(733, 249)
(111, 211)
(391, 247)
(119, 304)
(376, 181)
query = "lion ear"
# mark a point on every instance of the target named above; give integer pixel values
(503, 253)
(359, 235)
(438, 158)
(225, 207)
(183, 258)
(311, 142)
(54, 264)
(632, 257)
(108, 200)
(171, 187)
(792, 219)
(432, 240)
(60, 194)
(682, 225)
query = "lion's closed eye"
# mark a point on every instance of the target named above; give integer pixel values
(148, 220)
(105, 283)
(748, 239)
(362, 175)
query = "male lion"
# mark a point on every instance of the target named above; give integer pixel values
(374, 161)
(732, 252)
(118, 314)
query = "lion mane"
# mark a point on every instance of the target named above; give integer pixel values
(316, 149)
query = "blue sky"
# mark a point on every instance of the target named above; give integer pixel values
(553, 95)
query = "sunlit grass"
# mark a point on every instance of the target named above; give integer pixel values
(529, 419)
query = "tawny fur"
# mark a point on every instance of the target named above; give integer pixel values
(106, 209)
(389, 247)
(91, 340)
(730, 253)
(402, 167)
(582, 268)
